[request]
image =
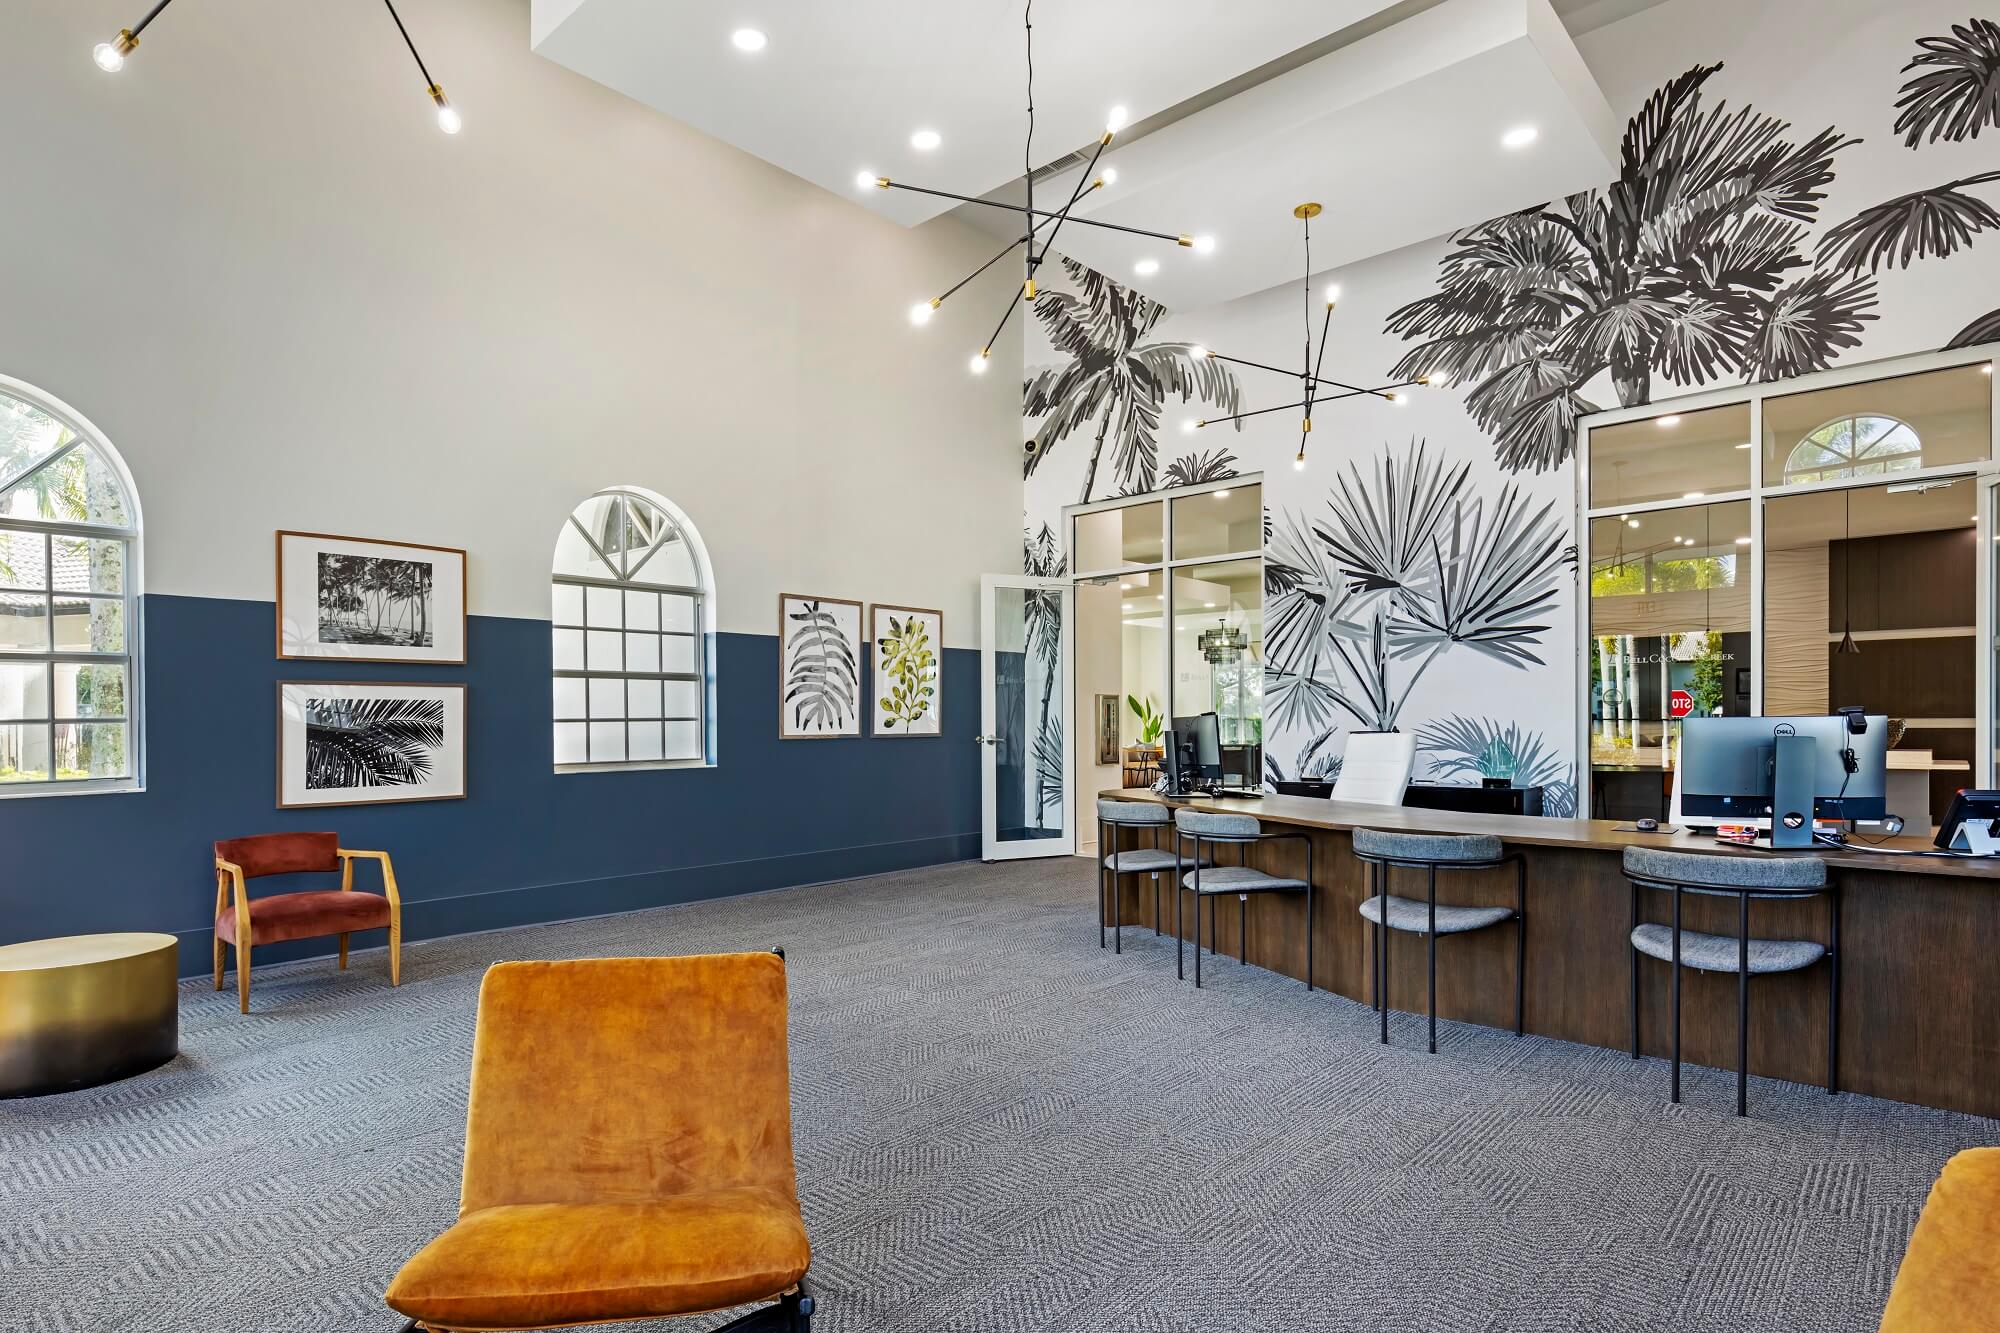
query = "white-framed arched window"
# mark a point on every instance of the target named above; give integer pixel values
(1866, 445)
(69, 589)
(633, 611)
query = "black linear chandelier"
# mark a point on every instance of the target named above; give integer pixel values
(1036, 219)
(110, 57)
(1311, 381)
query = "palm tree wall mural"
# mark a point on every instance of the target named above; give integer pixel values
(1113, 385)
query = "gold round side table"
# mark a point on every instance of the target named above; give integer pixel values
(86, 1009)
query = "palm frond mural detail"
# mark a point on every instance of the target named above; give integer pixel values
(1199, 469)
(1041, 556)
(822, 675)
(1953, 93)
(1112, 379)
(1692, 266)
(372, 742)
(1405, 564)
(1459, 748)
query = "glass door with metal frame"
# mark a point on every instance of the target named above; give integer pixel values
(1024, 712)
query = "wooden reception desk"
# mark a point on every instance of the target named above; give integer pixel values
(1920, 941)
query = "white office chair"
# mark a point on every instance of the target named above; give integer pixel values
(1376, 768)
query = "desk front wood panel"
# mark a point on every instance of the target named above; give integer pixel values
(1920, 968)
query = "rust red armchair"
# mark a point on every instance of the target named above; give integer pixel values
(242, 923)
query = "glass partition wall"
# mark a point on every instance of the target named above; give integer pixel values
(1169, 623)
(1793, 548)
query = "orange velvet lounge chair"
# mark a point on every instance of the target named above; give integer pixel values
(1950, 1278)
(242, 923)
(628, 1153)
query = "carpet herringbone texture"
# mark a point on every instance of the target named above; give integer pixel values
(1001, 1128)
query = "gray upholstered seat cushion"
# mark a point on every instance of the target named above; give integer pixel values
(1131, 812)
(1410, 915)
(1241, 879)
(1731, 872)
(1717, 953)
(1214, 825)
(1145, 858)
(1426, 846)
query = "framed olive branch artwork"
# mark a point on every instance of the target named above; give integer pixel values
(909, 676)
(819, 667)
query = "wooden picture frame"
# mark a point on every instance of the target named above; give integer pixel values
(340, 598)
(822, 680)
(444, 780)
(907, 698)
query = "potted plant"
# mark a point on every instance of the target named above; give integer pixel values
(1151, 723)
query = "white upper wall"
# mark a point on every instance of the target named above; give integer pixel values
(254, 262)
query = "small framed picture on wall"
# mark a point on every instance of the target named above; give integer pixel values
(370, 601)
(909, 674)
(819, 667)
(354, 743)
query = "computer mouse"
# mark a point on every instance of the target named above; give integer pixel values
(1646, 825)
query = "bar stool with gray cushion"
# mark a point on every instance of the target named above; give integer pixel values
(1742, 878)
(1240, 879)
(1430, 852)
(1139, 816)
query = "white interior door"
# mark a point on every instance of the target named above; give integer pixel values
(1025, 687)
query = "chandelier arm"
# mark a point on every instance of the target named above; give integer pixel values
(1330, 398)
(883, 182)
(151, 14)
(429, 82)
(955, 287)
(1012, 302)
(1084, 184)
(1317, 380)
(1313, 380)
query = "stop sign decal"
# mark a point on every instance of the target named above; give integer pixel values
(1679, 704)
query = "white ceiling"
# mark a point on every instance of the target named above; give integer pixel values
(1395, 131)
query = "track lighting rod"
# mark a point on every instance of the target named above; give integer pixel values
(883, 182)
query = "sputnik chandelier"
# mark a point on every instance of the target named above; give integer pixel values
(110, 57)
(1034, 219)
(1315, 387)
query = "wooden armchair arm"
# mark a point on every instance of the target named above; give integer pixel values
(349, 855)
(228, 883)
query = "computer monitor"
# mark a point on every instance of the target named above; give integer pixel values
(1729, 766)
(1194, 751)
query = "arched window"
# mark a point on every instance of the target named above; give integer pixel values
(1858, 446)
(632, 613)
(69, 575)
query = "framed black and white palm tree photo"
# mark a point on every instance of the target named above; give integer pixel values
(819, 667)
(349, 743)
(908, 698)
(370, 601)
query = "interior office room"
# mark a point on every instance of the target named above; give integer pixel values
(1000, 667)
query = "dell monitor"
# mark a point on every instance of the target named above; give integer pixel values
(1742, 769)
(1194, 752)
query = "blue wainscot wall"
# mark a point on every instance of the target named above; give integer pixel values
(527, 844)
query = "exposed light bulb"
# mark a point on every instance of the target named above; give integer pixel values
(108, 57)
(1198, 351)
(865, 179)
(978, 362)
(1117, 119)
(1520, 136)
(1333, 293)
(1146, 268)
(921, 312)
(1399, 399)
(1204, 245)
(925, 140)
(1109, 175)
(1188, 426)
(448, 118)
(1299, 463)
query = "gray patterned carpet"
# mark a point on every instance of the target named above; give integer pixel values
(999, 1128)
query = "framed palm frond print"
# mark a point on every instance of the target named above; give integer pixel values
(370, 601)
(908, 683)
(819, 667)
(349, 743)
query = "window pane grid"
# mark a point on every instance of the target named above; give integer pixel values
(65, 662)
(621, 642)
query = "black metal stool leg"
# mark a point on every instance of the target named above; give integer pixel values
(1432, 937)
(1743, 1004)
(1677, 994)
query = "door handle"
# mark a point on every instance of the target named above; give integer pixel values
(985, 740)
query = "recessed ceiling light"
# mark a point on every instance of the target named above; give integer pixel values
(1694, 495)
(1986, 369)
(1667, 422)
(1146, 268)
(925, 140)
(1744, 445)
(1222, 494)
(1742, 541)
(749, 39)
(1520, 136)
(1209, 605)
(1631, 522)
